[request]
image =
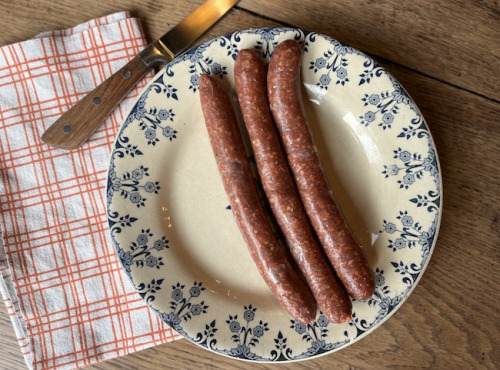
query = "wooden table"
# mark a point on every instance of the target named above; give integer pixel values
(447, 55)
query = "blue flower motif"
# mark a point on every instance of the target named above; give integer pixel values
(234, 326)
(249, 315)
(142, 239)
(409, 179)
(135, 197)
(369, 116)
(159, 244)
(393, 170)
(150, 187)
(137, 173)
(379, 280)
(196, 309)
(258, 331)
(169, 133)
(400, 243)
(407, 220)
(195, 291)
(216, 68)
(390, 228)
(388, 118)
(150, 134)
(151, 261)
(324, 80)
(374, 99)
(320, 63)
(405, 156)
(177, 294)
(323, 321)
(341, 73)
(164, 114)
(195, 80)
(300, 328)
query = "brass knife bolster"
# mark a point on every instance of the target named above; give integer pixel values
(156, 54)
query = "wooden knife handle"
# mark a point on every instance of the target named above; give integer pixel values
(78, 123)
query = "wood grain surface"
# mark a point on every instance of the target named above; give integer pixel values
(447, 56)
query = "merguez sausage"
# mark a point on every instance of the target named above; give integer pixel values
(273, 264)
(343, 251)
(280, 189)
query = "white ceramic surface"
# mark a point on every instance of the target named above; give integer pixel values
(176, 236)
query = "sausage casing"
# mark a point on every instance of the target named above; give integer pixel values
(272, 262)
(343, 251)
(280, 189)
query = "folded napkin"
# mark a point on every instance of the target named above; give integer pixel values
(70, 303)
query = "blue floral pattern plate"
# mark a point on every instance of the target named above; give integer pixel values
(174, 231)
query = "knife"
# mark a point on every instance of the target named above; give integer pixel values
(74, 127)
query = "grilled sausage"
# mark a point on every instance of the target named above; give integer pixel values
(271, 260)
(280, 189)
(343, 251)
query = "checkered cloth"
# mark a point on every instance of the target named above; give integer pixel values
(70, 303)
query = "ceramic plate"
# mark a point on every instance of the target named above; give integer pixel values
(174, 231)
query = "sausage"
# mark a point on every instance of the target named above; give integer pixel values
(280, 189)
(345, 254)
(276, 268)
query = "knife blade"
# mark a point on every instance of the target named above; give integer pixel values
(75, 126)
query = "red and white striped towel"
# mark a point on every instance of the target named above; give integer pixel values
(61, 280)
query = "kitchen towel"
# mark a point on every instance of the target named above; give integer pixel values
(69, 301)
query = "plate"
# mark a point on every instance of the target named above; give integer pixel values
(174, 231)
